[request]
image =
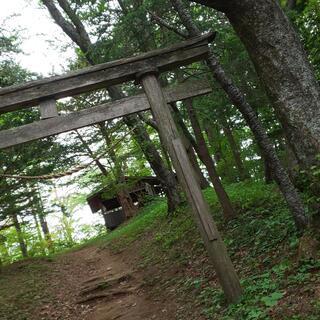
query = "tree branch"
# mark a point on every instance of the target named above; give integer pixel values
(186, 18)
(149, 122)
(77, 23)
(82, 40)
(162, 23)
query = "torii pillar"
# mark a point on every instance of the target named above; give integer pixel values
(169, 133)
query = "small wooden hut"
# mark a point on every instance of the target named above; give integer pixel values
(110, 207)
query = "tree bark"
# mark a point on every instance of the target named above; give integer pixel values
(282, 65)
(166, 176)
(43, 222)
(215, 142)
(22, 243)
(238, 99)
(203, 182)
(210, 234)
(46, 232)
(235, 149)
(223, 197)
(35, 217)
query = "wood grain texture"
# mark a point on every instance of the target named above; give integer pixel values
(48, 109)
(104, 112)
(169, 134)
(103, 75)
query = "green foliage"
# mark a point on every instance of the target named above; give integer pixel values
(262, 242)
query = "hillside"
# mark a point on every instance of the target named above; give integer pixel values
(155, 267)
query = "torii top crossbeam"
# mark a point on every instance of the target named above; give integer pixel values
(103, 75)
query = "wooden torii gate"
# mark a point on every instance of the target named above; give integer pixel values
(144, 69)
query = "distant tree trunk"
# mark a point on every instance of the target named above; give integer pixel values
(205, 155)
(235, 149)
(215, 142)
(238, 99)
(267, 171)
(22, 243)
(203, 182)
(43, 223)
(46, 232)
(36, 222)
(283, 67)
(291, 4)
(39, 232)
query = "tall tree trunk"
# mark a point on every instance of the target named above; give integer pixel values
(43, 223)
(36, 222)
(205, 155)
(238, 99)
(39, 232)
(46, 232)
(22, 243)
(267, 171)
(214, 139)
(166, 176)
(203, 182)
(235, 149)
(282, 65)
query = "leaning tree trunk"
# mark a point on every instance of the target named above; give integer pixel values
(166, 176)
(46, 232)
(43, 222)
(40, 238)
(214, 139)
(22, 243)
(203, 182)
(235, 149)
(223, 197)
(282, 65)
(238, 99)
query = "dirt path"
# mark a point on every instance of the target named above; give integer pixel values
(94, 284)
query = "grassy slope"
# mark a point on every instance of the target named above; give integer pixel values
(262, 243)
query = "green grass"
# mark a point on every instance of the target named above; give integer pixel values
(262, 242)
(22, 289)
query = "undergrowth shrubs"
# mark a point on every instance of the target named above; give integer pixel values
(261, 241)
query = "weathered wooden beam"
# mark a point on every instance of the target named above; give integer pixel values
(48, 109)
(107, 111)
(102, 75)
(170, 136)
